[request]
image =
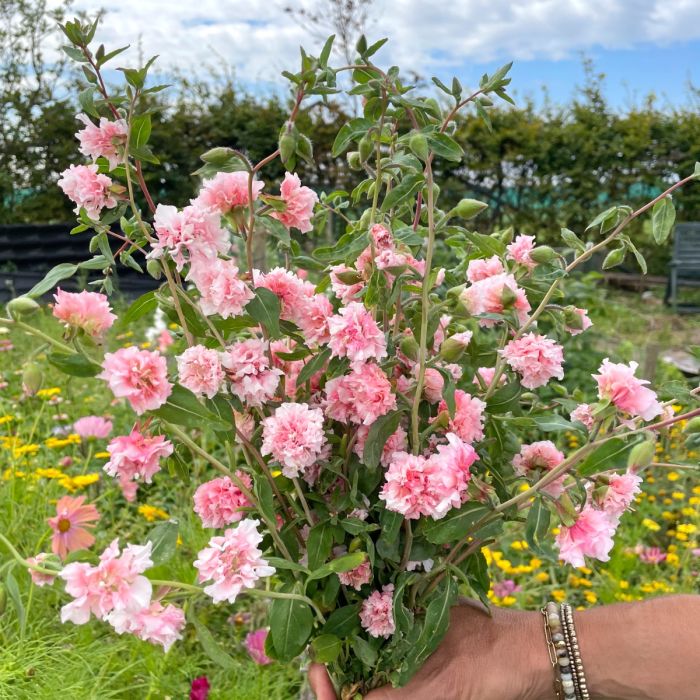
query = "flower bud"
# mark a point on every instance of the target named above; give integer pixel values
(506, 236)
(692, 426)
(456, 291)
(305, 148)
(508, 297)
(572, 319)
(452, 349)
(355, 544)
(354, 162)
(641, 455)
(22, 306)
(349, 276)
(567, 510)
(154, 269)
(469, 208)
(409, 347)
(542, 254)
(419, 145)
(287, 146)
(365, 219)
(441, 421)
(365, 148)
(32, 378)
(613, 258)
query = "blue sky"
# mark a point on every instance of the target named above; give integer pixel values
(641, 45)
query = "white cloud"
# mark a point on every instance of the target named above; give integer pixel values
(259, 40)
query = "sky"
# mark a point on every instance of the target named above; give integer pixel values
(642, 46)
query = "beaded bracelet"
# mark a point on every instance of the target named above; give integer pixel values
(558, 653)
(579, 678)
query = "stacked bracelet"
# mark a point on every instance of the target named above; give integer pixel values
(579, 678)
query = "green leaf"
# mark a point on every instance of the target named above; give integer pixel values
(140, 131)
(364, 651)
(537, 525)
(554, 423)
(280, 563)
(85, 98)
(319, 544)
(572, 240)
(183, 408)
(337, 566)
(75, 365)
(325, 648)
(291, 622)
(211, 647)
(614, 258)
(455, 525)
(407, 188)
(446, 147)
(380, 431)
(14, 595)
(164, 539)
(343, 621)
(326, 51)
(264, 496)
(609, 455)
(663, 216)
(265, 308)
(314, 365)
(145, 304)
(52, 277)
(486, 245)
(505, 399)
(352, 131)
(388, 542)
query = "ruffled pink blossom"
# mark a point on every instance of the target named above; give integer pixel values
(359, 397)
(136, 458)
(313, 318)
(92, 427)
(233, 562)
(583, 413)
(520, 249)
(590, 536)
(479, 269)
(468, 421)
(221, 290)
(377, 612)
(456, 457)
(357, 577)
(248, 369)
(220, 502)
(103, 140)
(255, 646)
(536, 358)
(191, 233)
(70, 525)
(139, 376)
(487, 374)
(199, 370)
(620, 495)
(540, 456)
(89, 311)
(38, 578)
(294, 436)
(397, 442)
(114, 584)
(585, 322)
(433, 384)
(292, 291)
(300, 203)
(617, 384)
(157, 624)
(87, 189)
(492, 295)
(381, 235)
(225, 191)
(345, 292)
(356, 335)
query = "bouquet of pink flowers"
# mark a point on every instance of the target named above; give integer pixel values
(367, 420)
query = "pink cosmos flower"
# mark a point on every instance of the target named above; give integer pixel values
(586, 322)
(617, 384)
(357, 577)
(114, 584)
(397, 442)
(94, 427)
(38, 578)
(103, 140)
(468, 421)
(188, 234)
(248, 369)
(69, 525)
(590, 536)
(356, 335)
(89, 311)
(651, 555)
(345, 292)
(136, 457)
(87, 189)
(491, 295)
(540, 456)
(218, 502)
(536, 358)
(377, 614)
(520, 249)
(583, 413)
(255, 646)
(225, 191)
(156, 623)
(359, 397)
(300, 203)
(479, 269)
(292, 291)
(199, 689)
(233, 562)
(139, 376)
(220, 288)
(199, 370)
(294, 436)
(620, 494)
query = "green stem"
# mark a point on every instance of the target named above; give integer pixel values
(287, 596)
(23, 561)
(177, 584)
(304, 504)
(39, 334)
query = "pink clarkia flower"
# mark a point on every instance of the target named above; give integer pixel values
(536, 358)
(255, 646)
(377, 612)
(540, 456)
(92, 427)
(487, 374)
(69, 525)
(313, 318)
(620, 494)
(87, 189)
(115, 583)
(357, 577)
(433, 384)
(294, 436)
(233, 562)
(199, 370)
(219, 502)
(221, 289)
(468, 421)
(300, 203)
(590, 536)
(38, 578)
(225, 191)
(520, 249)
(103, 140)
(397, 442)
(191, 233)
(89, 311)
(479, 269)
(456, 457)
(356, 335)
(490, 294)
(292, 291)
(345, 292)
(583, 413)
(248, 370)
(617, 384)
(586, 322)
(359, 397)
(139, 376)
(157, 624)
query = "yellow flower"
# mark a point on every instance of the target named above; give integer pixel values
(673, 476)
(678, 495)
(590, 597)
(523, 487)
(73, 483)
(624, 585)
(687, 528)
(48, 393)
(651, 480)
(559, 595)
(651, 524)
(667, 515)
(508, 601)
(696, 490)
(146, 345)
(152, 513)
(8, 474)
(6, 419)
(519, 545)
(535, 563)
(102, 455)
(542, 577)
(25, 450)
(673, 559)
(50, 473)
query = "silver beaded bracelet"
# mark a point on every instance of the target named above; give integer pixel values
(579, 677)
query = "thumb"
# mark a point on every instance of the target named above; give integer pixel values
(320, 682)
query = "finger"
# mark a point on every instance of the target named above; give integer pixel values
(321, 683)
